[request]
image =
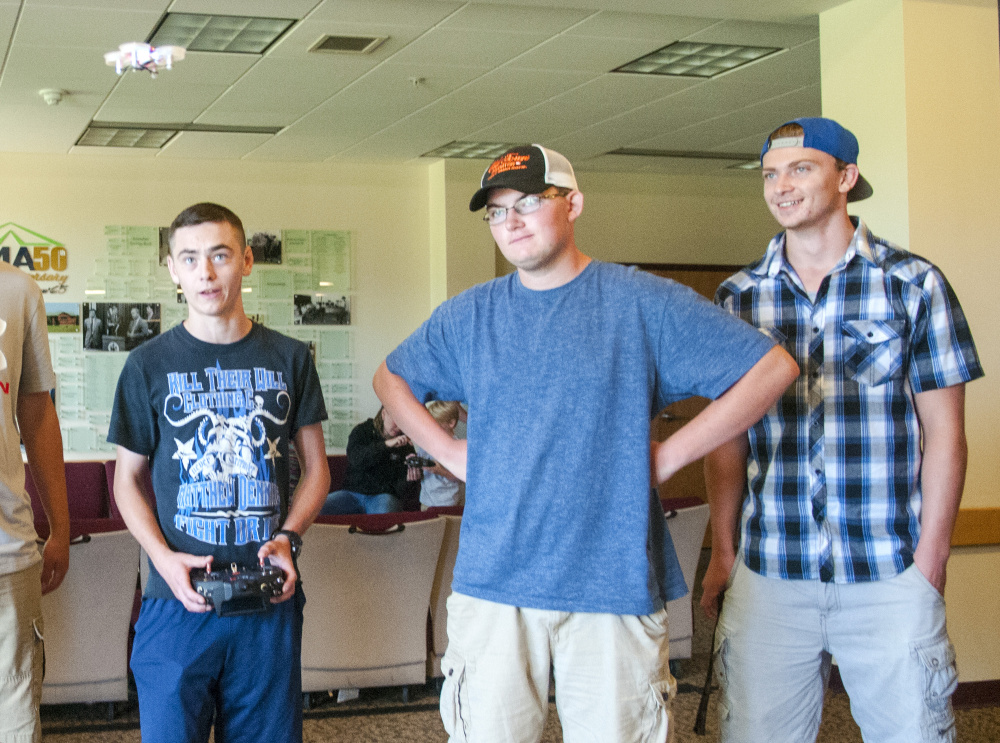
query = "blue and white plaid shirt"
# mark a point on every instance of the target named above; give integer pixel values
(834, 468)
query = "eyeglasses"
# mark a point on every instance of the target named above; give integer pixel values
(525, 205)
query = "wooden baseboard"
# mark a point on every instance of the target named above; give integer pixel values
(976, 526)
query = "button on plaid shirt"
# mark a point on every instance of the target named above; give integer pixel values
(834, 469)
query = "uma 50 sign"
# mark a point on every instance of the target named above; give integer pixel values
(44, 258)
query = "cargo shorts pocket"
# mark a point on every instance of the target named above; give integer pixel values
(721, 653)
(940, 678)
(37, 660)
(656, 717)
(455, 698)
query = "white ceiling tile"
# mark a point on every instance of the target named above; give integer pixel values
(501, 94)
(493, 18)
(385, 12)
(180, 94)
(384, 96)
(652, 27)
(785, 11)
(30, 69)
(756, 34)
(602, 98)
(32, 128)
(467, 47)
(158, 6)
(551, 82)
(8, 16)
(263, 8)
(217, 145)
(291, 148)
(277, 91)
(567, 52)
(97, 28)
(386, 146)
(720, 133)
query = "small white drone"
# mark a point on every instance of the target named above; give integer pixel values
(136, 55)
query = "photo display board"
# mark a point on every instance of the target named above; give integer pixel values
(300, 286)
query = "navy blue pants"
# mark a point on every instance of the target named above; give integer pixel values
(243, 673)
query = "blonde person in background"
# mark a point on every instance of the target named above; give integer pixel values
(439, 487)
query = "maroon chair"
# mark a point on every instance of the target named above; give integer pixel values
(85, 489)
(338, 469)
(445, 510)
(109, 473)
(80, 528)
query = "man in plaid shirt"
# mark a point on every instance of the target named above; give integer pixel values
(845, 494)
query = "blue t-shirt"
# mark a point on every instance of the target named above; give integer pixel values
(215, 421)
(561, 386)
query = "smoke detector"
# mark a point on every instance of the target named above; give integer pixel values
(52, 96)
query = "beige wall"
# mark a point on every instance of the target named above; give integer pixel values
(385, 208)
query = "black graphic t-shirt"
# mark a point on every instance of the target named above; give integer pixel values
(215, 421)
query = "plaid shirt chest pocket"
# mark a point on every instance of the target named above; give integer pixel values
(873, 350)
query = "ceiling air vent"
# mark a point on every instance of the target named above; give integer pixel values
(348, 44)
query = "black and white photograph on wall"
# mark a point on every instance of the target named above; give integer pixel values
(119, 326)
(265, 245)
(322, 309)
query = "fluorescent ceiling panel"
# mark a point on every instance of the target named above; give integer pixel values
(113, 137)
(198, 32)
(153, 136)
(691, 59)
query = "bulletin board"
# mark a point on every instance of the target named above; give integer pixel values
(300, 286)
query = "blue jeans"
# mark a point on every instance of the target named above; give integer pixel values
(776, 639)
(347, 501)
(242, 670)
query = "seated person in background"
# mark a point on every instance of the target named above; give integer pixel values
(439, 487)
(376, 469)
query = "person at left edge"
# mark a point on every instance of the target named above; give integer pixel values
(210, 407)
(26, 412)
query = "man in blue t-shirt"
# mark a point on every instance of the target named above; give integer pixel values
(207, 411)
(564, 561)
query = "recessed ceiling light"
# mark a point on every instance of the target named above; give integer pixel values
(198, 32)
(113, 137)
(693, 59)
(748, 165)
(153, 136)
(348, 44)
(470, 150)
